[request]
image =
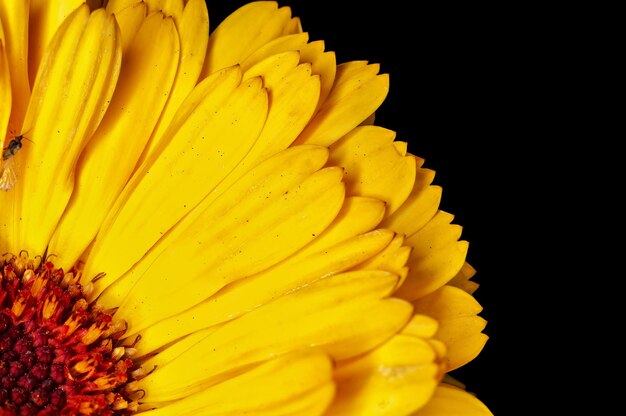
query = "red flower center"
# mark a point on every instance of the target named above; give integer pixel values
(58, 353)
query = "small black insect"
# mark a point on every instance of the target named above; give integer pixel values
(8, 177)
(14, 146)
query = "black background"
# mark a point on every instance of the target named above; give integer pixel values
(450, 98)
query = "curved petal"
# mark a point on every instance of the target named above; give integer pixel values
(299, 384)
(235, 238)
(6, 96)
(109, 159)
(193, 29)
(339, 248)
(243, 32)
(173, 8)
(46, 17)
(287, 43)
(436, 257)
(300, 319)
(67, 81)
(366, 153)
(419, 208)
(396, 378)
(357, 92)
(323, 64)
(452, 401)
(129, 17)
(211, 136)
(462, 279)
(459, 326)
(14, 20)
(392, 259)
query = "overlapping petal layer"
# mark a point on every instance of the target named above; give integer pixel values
(271, 251)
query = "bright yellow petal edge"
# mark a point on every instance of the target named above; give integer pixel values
(214, 226)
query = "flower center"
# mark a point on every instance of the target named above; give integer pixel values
(58, 353)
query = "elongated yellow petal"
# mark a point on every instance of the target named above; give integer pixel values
(213, 139)
(297, 384)
(294, 321)
(234, 239)
(419, 207)
(109, 159)
(354, 97)
(269, 176)
(46, 17)
(294, 26)
(459, 326)
(338, 249)
(435, 259)
(421, 326)
(462, 279)
(283, 44)
(323, 64)
(396, 378)
(358, 216)
(114, 6)
(243, 32)
(6, 95)
(293, 96)
(7, 199)
(194, 37)
(78, 75)
(14, 20)
(129, 18)
(392, 259)
(173, 8)
(377, 153)
(452, 401)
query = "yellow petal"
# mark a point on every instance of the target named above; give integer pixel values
(327, 314)
(462, 279)
(293, 27)
(421, 326)
(234, 239)
(205, 146)
(243, 32)
(194, 37)
(394, 379)
(270, 176)
(435, 259)
(114, 6)
(355, 95)
(110, 157)
(339, 248)
(297, 384)
(392, 259)
(359, 215)
(8, 201)
(173, 8)
(45, 18)
(283, 44)
(14, 21)
(5, 88)
(323, 64)
(129, 17)
(459, 326)
(67, 81)
(293, 95)
(366, 153)
(451, 401)
(419, 207)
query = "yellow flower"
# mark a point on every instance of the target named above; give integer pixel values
(211, 225)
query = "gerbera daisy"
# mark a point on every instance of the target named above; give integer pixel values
(212, 225)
